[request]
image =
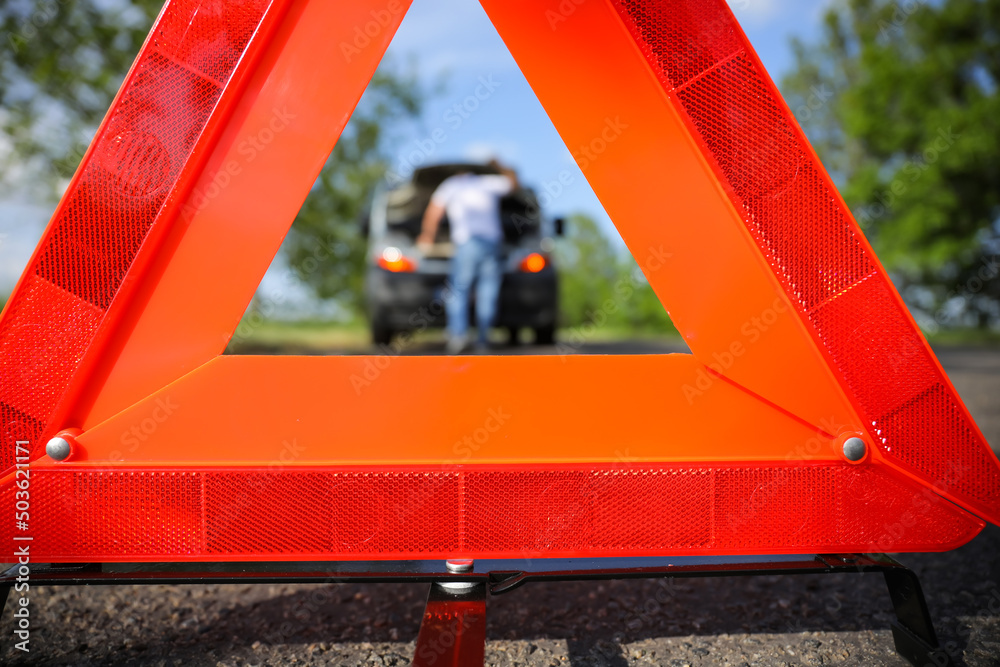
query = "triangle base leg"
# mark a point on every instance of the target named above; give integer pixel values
(453, 630)
(913, 631)
(916, 650)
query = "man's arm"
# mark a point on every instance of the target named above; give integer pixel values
(512, 175)
(429, 227)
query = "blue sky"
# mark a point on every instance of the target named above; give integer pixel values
(454, 38)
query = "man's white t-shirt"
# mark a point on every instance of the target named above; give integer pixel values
(473, 205)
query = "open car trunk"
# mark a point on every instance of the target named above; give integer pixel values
(405, 206)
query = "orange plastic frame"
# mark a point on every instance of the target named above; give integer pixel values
(756, 390)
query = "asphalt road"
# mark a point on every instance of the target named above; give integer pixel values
(774, 620)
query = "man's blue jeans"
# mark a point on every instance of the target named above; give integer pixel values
(476, 261)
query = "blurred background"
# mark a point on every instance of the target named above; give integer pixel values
(878, 86)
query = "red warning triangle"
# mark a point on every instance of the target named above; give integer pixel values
(811, 416)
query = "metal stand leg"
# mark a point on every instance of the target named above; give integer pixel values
(453, 631)
(913, 632)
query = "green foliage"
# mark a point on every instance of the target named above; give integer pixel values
(588, 269)
(901, 101)
(326, 248)
(61, 64)
(602, 288)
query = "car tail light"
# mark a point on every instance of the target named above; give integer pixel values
(392, 259)
(533, 263)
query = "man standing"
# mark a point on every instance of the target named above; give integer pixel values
(472, 202)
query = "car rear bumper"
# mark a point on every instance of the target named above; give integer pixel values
(414, 301)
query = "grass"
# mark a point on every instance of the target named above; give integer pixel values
(323, 336)
(299, 335)
(314, 336)
(616, 334)
(977, 337)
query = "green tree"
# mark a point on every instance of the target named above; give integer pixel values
(901, 101)
(602, 286)
(643, 312)
(61, 63)
(328, 226)
(588, 268)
